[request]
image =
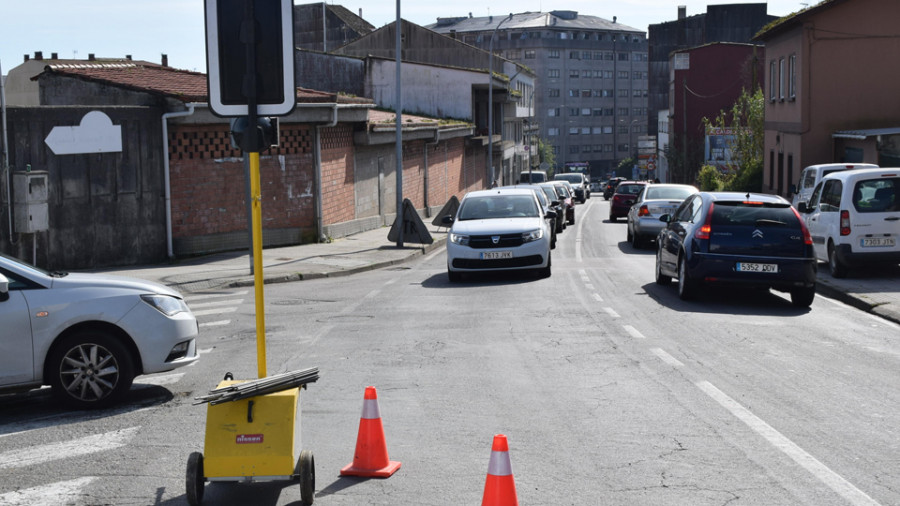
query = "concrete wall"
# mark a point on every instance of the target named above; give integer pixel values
(332, 73)
(104, 209)
(432, 91)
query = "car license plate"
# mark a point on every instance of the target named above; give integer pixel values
(754, 267)
(878, 242)
(496, 255)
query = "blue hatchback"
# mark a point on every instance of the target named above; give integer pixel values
(743, 239)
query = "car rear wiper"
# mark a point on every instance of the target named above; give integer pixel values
(764, 221)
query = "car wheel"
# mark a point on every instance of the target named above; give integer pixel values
(661, 279)
(636, 241)
(454, 277)
(612, 218)
(544, 272)
(838, 269)
(194, 479)
(306, 475)
(803, 297)
(628, 235)
(686, 285)
(90, 369)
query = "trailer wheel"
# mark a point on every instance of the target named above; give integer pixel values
(194, 479)
(306, 475)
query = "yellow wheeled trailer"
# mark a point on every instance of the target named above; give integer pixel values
(253, 437)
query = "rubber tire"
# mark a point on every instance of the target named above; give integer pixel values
(544, 272)
(572, 221)
(687, 287)
(454, 277)
(104, 341)
(803, 297)
(838, 270)
(636, 241)
(612, 218)
(628, 235)
(306, 475)
(194, 481)
(661, 279)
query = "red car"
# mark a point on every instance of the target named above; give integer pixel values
(624, 197)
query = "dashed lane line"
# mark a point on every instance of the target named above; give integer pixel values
(66, 449)
(633, 332)
(665, 357)
(58, 493)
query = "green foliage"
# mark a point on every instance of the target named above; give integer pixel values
(625, 166)
(747, 120)
(545, 150)
(709, 179)
(748, 179)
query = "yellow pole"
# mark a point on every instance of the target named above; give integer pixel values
(256, 196)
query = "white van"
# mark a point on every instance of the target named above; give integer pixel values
(853, 217)
(811, 176)
(533, 176)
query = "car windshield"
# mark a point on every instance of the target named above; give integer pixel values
(24, 265)
(498, 206)
(754, 214)
(550, 194)
(572, 178)
(631, 189)
(655, 192)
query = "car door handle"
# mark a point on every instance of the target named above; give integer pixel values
(892, 218)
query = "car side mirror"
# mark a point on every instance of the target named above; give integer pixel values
(802, 207)
(447, 220)
(4, 288)
(665, 218)
(550, 215)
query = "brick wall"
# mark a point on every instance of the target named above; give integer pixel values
(338, 176)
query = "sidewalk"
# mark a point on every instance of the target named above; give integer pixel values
(876, 290)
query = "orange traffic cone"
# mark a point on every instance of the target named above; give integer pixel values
(500, 488)
(371, 457)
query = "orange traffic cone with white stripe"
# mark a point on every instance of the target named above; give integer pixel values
(371, 457)
(500, 488)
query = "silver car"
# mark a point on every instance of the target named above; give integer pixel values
(654, 201)
(88, 335)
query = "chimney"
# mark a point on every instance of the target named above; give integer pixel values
(38, 55)
(54, 56)
(128, 57)
(27, 57)
(682, 11)
(91, 57)
(360, 12)
(614, 19)
(452, 36)
(165, 60)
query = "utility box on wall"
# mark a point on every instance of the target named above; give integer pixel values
(30, 195)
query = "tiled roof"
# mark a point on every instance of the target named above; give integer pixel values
(139, 75)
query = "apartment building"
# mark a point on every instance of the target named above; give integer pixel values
(590, 93)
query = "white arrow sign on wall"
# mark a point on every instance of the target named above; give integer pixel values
(95, 134)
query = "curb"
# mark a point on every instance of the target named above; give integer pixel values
(842, 296)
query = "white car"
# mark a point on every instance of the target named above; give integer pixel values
(810, 177)
(88, 335)
(853, 217)
(498, 230)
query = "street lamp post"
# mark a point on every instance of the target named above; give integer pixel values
(490, 152)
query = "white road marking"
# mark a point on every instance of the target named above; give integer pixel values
(216, 295)
(218, 310)
(834, 481)
(597, 297)
(633, 332)
(164, 379)
(588, 286)
(669, 359)
(217, 323)
(67, 449)
(611, 312)
(217, 303)
(202, 351)
(59, 493)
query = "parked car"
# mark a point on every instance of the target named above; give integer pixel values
(610, 188)
(579, 184)
(545, 204)
(533, 176)
(810, 177)
(88, 335)
(654, 201)
(557, 204)
(745, 239)
(854, 218)
(624, 197)
(498, 230)
(596, 187)
(562, 189)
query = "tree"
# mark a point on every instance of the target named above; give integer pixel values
(545, 150)
(746, 119)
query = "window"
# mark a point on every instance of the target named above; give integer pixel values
(623, 147)
(574, 111)
(513, 55)
(553, 111)
(586, 111)
(623, 56)
(623, 93)
(553, 131)
(573, 130)
(598, 148)
(556, 150)
(585, 55)
(772, 78)
(596, 130)
(607, 93)
(598, 112)
(608, 111)
(623, 111)
(574, 150)
(638, 129)
(598, 55)
(598, 74)
(553, 53)
(529, 54)
(607, 74)
(585, 93)
(586, 148)
(573, 92)
(608, 56)
(636, 93)
(554, 92)
(608, 130)
(585, 130)
(622, 129)
(574, 55)
(792, 84)
(623, 74)
(607, 148)
(573, 74)
(553, 73)
(781, 79)
(586, 73)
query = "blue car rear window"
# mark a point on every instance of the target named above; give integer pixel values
(754, 215)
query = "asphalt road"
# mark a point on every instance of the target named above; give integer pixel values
(609, 388)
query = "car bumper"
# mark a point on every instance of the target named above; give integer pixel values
(156, 334)
(619, 211)
(531, 255)
(722, 269)
(846, 255)
(647, 227)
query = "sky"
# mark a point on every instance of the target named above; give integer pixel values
(146, 29)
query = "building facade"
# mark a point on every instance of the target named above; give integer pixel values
(809, 99)
(590, 95)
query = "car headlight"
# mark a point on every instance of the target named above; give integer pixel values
(534, 235)
(462, 240)
(166, 304)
